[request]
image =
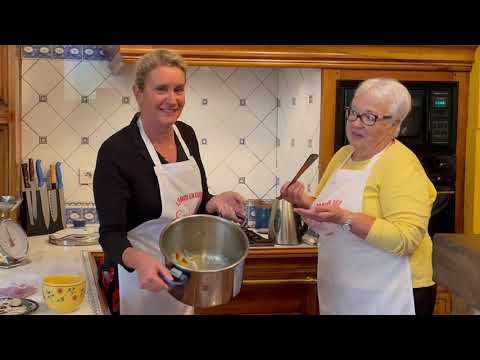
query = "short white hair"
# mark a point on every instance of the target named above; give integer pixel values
(392, 91)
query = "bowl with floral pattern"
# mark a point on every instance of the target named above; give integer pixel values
(63, 293)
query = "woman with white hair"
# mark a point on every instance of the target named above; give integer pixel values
(371, 212)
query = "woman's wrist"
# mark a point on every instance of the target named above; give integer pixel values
(130, 257)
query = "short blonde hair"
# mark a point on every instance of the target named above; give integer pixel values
(151, 60)
(390, 90)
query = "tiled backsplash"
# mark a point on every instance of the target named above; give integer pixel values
(255, 126)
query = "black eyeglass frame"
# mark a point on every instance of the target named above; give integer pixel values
(364, 115)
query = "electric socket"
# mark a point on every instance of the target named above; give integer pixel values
(86, 176)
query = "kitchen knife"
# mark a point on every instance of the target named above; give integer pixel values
(43, 193)
(28, 192)
(33, 184)
(61, 194)
(53, 193)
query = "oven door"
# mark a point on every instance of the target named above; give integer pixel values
(442, 219)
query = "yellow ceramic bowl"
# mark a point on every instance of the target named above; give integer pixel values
(63, 293)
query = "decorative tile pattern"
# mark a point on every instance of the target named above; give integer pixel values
(71, 98)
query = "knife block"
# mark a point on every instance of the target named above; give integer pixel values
(39, 226)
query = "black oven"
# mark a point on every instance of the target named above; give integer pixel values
(429, 131)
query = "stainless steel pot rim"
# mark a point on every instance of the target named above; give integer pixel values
(216, 218)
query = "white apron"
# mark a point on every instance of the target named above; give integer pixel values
(354, 277)
(181, 193)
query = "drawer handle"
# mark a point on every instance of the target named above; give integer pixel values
(308, 280)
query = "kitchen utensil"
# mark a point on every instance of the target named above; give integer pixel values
(33, 185)
(13, 239)
(61, 194)
(16, 306)
(285, 227)
(311, 158)
(216, 246)
(63, 293)
(52, 194)
(43, 193)
(28, 192)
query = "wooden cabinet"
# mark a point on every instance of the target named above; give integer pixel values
(3, 159)
(443, 304)
(276, 281)
(10, 151)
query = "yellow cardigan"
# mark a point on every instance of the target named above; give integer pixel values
(399, 195)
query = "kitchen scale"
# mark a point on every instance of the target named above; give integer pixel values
(13, 239)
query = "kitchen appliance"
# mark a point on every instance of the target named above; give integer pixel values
(13, 239)
(205, 255)
(430, 132)
(286, 227)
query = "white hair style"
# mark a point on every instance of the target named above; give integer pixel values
(394, 92)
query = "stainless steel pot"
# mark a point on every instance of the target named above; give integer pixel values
(213, 250)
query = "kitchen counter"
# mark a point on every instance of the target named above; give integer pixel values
(456, 265)
(46, 259)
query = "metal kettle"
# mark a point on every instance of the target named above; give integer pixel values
(286, 227)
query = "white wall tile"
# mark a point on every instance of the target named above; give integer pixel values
(242, 161)
(84, 78)
(260, 141)
(260, 180)
(64, 140)
(121, 117)
(27, 64)
(261, 102)
(241, 122)
(64, 99)
(82, 194)
(84, 120)
(100, 135)
(262, 73)
(64, 66)
(222, 179)
(105, 99)
(82, 158)
(42, 119)
(29, 139)
(243, 81)
(222, 121)
(223, 72)
(42, 77)
(102, 66)
(29, 98)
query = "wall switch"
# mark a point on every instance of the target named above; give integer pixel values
(86, 176)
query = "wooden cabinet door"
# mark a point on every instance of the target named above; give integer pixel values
(443, 304)
(3, 159)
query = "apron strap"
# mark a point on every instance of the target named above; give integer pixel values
(151, 149)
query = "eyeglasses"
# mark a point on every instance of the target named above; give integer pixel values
(366, 118)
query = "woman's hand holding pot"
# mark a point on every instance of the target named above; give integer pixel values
(148, 270)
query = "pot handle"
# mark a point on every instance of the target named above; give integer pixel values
(178, 274)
